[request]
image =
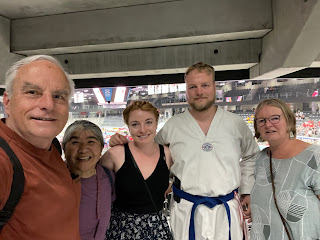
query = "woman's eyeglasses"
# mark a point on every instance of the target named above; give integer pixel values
(274, 119)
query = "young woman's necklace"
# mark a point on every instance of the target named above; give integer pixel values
(153, 150)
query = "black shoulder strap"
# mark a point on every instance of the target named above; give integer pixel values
(109, 175)
(16, 187)
(56, 143)
(162, 153)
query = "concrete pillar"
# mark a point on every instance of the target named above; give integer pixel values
(293, 44)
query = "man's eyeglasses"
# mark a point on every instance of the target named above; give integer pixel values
(274, 119)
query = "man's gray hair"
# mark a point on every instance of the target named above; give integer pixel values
(13, 70)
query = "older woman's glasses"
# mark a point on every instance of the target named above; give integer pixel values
(274, 119)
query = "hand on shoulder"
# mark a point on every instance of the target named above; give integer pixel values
(117, 139)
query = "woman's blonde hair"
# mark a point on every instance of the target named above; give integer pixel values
(287, 112)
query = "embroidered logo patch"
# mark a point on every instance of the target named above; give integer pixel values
(207, 147)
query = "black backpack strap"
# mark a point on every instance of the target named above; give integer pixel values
(109, 175)
(16, 187)
(56, 143)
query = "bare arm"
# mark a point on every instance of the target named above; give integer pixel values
(106, 160)
(319, 197)
(113, 158)
(169, 190)
(169, 164)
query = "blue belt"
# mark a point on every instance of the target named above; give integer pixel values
(208, 201)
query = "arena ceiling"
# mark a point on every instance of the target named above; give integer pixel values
(132, 42)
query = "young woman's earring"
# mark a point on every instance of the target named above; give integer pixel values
(291, 135)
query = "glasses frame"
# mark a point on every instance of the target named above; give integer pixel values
(269, 119)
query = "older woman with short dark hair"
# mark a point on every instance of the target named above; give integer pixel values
(285, 197)
(83, 143)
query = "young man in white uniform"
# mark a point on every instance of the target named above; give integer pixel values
(206, 144)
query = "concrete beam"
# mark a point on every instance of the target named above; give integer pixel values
(254, 71)
(36, 8)
(241, 54)
(162, 24)
(6, 58)
(293, 44)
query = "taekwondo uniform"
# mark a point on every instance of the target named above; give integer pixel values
(209, 165)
